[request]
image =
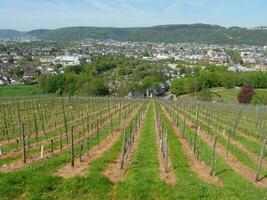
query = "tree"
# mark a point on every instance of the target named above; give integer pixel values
(147, 82)
(18, 71)
(205, 95)
(234, 55)
(10, 59)
(74, 68)
(246, 94)
(178, 86)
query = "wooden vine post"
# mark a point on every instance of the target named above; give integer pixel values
(213, 160)
(166, 153)
(98, 132)
(195, 139)
(228, 144)
(6, 129)
(23, 142)
(260, 160)
(52, 145)
(72, 148)
(81, 150)
(184, 127)
(123, 150)
(65, 121)
(36, 128)
(42, 152)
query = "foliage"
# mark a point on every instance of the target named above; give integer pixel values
(179, 86)
(210, 79)
(259, 98)
(245, 95)
(196, 33)
(234, 55)
(18, 71)
(73, 68)
(205, 95)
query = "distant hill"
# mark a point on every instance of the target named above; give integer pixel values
(6, 33)
(37, 33)
(196, 33)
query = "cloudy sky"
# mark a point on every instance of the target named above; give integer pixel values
(36, 14)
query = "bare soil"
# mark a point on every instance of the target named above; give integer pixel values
(168, 176)
(113, 171)
(232, 161)
(81, 168)
(35, 158)
(197, 166)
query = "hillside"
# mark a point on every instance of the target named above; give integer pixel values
(196, 33)
(7, 33)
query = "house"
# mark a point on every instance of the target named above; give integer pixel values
(239, 68)
(2, 82)
(134, 95)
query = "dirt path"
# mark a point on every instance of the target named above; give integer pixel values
(96, 152)
(168, 176)
(232, 161)
(113, 171)
(199, 167)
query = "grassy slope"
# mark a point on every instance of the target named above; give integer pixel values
(20, 90)
(141, 182)
(235, 187)
(225, 95)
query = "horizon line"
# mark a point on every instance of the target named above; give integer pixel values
(128, 27)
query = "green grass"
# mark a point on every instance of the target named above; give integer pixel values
(227, 95)
(20, 90)
(142, 180)
(235, 187)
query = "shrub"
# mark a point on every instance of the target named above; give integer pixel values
(245, 95)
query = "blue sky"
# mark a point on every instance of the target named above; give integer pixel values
(35, 14)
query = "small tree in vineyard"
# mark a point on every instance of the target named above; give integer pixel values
(245, 95)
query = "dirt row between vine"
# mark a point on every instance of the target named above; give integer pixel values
(253, 156)
(17, 165)
(241, 133)
(59, 126)
(168, 176)
(224, 124)
(231, 160)
(80, 168)
(113, 171)
(197, 166)
(55, 138)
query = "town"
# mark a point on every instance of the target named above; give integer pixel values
(21, 59)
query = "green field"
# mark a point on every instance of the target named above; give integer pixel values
(20, 90)
(226, 95)
(106, 128)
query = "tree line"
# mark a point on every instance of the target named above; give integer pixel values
(209, 79)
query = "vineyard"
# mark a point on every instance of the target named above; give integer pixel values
(117, 148)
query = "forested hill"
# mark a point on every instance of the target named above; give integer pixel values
(196, 33)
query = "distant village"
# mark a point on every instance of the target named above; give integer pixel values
(21, 61)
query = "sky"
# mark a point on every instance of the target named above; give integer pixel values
(25, 15)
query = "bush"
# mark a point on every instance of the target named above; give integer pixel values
(246, 94)
(205, 95)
